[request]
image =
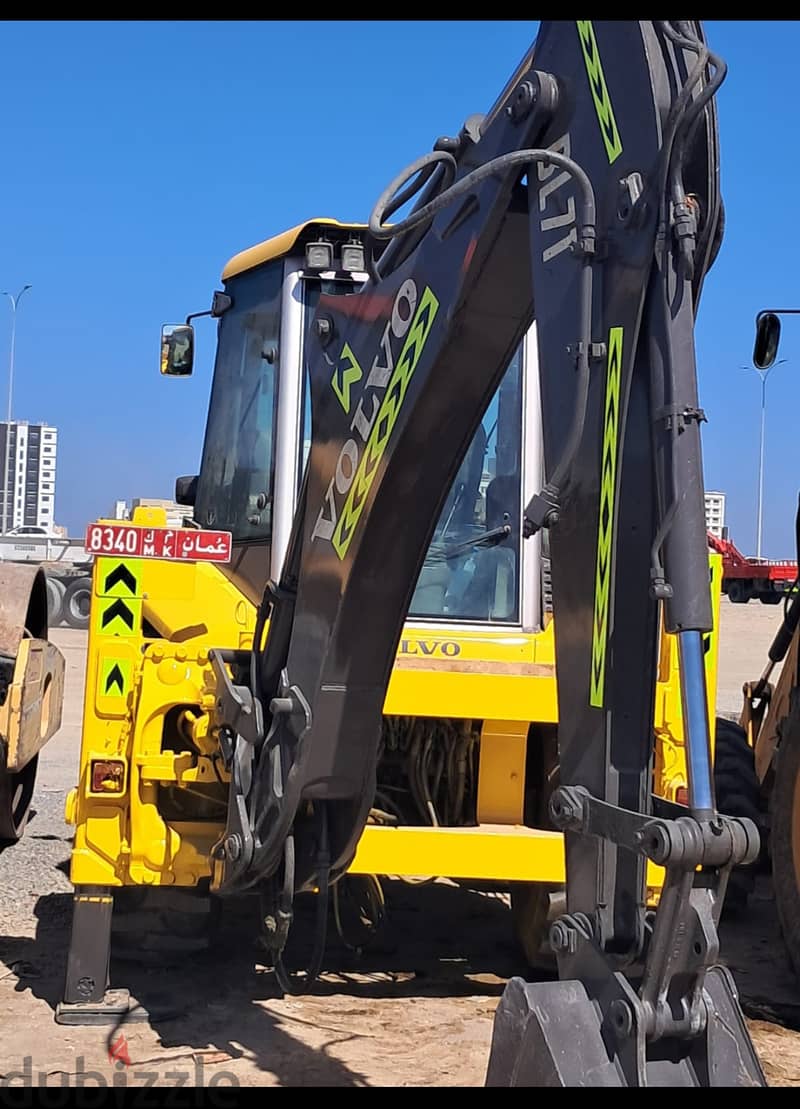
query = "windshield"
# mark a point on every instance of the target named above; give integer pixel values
(235, 488)
(472, 568)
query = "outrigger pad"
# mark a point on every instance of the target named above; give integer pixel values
(551, 1034)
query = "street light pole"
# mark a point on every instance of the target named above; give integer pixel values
(763, 375)
(14, 303)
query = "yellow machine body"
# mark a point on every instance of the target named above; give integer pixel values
(146, 814)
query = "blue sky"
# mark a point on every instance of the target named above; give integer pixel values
(137, 157)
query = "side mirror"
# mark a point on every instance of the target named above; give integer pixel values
(186, 490)
(768, 334)
(177, 350)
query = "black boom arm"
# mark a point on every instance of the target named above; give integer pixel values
(586, 199)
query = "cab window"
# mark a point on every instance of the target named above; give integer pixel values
(472, 568)
(235, 488)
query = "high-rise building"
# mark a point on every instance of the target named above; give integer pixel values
(29, 493)
(715, 514)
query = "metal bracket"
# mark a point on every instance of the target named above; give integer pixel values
(683, 842)
(679, 414)
(542, 512)
(239, 709)
(631, 208)
(256, 759)
(597, 350)
(292, 705)
(682, 944)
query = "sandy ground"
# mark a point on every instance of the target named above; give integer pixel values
(414, 1009)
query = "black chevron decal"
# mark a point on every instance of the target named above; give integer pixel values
(115, 678)
(121, 574)
(118, 609)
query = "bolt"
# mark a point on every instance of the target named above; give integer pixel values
(621, 1017)
(180, 654)
(524, 100)
(156, 654)
(656, 842)
(233, 848)
(85, 988)
(281, 705)
(566, 810)
(563, 937)
(539, 90)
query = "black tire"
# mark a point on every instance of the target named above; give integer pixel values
(55, 602)
(162, 925)
(738, 593)
(16, 794)
(785, 830)
(770, 598)
(738, 794)
(77, 600)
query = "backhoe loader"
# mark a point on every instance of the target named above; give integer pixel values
(423, 436)
(468, 737)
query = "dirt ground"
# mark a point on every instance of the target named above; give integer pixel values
(414, 1008)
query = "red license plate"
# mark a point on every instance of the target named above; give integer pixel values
(173, 544)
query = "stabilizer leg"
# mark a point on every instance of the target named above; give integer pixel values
(87, 997)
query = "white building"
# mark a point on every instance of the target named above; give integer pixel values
(715, 513)
(29, 490)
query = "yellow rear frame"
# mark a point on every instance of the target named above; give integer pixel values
(502, 677)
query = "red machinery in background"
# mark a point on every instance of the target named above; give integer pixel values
(743, 578)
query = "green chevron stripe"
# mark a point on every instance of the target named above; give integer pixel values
(605, 533)
(599, 89)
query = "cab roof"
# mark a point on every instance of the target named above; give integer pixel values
(280, 245)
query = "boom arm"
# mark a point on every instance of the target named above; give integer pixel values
(587, 198)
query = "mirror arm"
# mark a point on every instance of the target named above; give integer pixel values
(220, 304)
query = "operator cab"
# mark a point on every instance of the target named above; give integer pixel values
(258, 435)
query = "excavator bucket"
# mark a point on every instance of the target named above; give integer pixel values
(553, 1034)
